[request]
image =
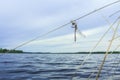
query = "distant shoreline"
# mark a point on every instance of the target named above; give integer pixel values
(7, 51)
(66, 53)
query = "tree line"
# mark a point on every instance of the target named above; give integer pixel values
(10, 51)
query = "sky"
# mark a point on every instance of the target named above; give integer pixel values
(23, 20)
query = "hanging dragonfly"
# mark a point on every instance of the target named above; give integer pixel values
(74, 25)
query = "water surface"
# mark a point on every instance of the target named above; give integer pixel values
(57, 67)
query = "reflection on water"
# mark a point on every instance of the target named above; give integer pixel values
(57, 67)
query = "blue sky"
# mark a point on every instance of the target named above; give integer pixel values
(23, 20)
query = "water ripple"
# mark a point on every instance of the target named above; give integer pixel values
(56, 67)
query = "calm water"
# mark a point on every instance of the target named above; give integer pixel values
(57, 67)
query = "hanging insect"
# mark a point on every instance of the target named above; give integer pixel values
(74, 25)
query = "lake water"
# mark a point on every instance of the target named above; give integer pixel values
(57, 67)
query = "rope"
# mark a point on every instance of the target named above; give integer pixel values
(66, 24)
(106, 33)
(114, 13)
(109, 40)
(110, 68)
(97, 77)
(115, 58)
(117, 37)
(41, 36)
(90, 52)
(98, 9)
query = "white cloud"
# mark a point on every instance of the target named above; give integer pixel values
(66, 42)
(23, 17)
